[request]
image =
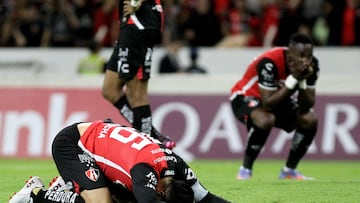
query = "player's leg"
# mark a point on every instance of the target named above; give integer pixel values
(305, 125)
(113, 91)
(259, 127)
(82, 176)
(112, 88)
(135, 64)
(302, 139)
(101, 195)
(130, 62)
(78, 170)
(259, 124)
(138, 98)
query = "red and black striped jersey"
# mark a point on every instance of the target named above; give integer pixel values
(133, 159)
(267, 71)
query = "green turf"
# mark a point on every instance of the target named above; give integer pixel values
(336, 181)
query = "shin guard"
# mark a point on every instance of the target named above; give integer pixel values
(300, 143)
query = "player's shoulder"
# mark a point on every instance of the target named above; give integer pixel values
(275, 51)
(276, 54)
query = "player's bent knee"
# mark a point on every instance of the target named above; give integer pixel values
(263, 120)
(309, 120)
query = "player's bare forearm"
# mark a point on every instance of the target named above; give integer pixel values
(271, 99)
(306, 99)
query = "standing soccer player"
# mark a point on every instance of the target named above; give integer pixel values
(278, 90)
(130, 63)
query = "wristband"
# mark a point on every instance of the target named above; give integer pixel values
(291, 82)
(302, 84)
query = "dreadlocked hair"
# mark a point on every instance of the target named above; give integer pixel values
(179, 192)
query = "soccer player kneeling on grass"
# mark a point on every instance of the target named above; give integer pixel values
(105, 162)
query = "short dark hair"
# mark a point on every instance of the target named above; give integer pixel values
(300, 38)
(178, 191)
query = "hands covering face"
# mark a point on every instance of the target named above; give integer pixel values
(300, 69)
(299, 60)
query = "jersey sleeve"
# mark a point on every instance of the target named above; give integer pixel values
(267, 71)
(144, 180)
(185, 173)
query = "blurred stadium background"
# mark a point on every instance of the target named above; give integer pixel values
(43, 43)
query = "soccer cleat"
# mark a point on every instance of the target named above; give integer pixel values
(293, 174)
(23, 196)
(244, 174)
(57, 184)
(163, 138)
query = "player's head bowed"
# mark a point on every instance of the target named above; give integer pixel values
(176, 191)
(299, 56)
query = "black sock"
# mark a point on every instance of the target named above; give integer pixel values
(142, 119)
(126, 111)
(257, 139)
(49, 196)
(300, 143)
(124, 108)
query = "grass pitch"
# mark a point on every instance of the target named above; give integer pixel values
(335, 181)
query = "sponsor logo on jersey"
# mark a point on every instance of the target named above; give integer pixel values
(253, 103)
(166, 158)
(268, 76)
(93, 174)
(152, 181)
(190, 174)
(85, 158)
(159, 150)
(269, 66)
(169, 173)
(148, 59)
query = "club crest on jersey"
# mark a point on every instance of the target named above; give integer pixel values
(253, 103)
(93, 174)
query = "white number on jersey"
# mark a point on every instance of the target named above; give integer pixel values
(125, 135)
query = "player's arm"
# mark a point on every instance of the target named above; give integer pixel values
(201, 194)
(306, 97)
(271, 93)
(144, 180)
(131, 6)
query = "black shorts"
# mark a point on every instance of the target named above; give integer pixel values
(78, 169)
(285, 114)
(132, 53)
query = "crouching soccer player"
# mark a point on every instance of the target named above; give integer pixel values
(278, 91)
